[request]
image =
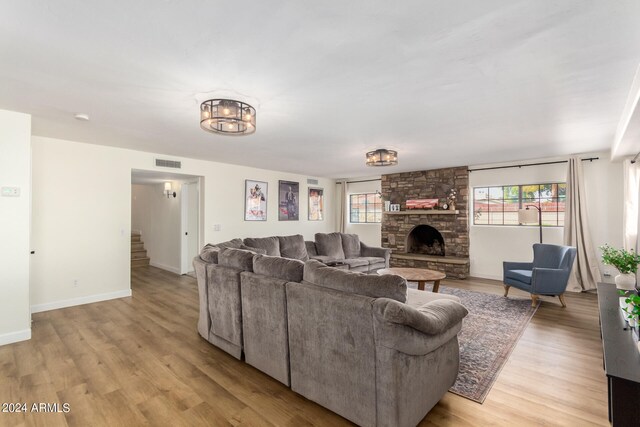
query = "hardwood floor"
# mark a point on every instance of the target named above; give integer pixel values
(140, 361)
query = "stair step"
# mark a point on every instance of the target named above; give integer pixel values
(137, 246)
(140, 262)
(139, 254)
(136, 238)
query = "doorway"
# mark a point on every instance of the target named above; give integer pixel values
(166, 220)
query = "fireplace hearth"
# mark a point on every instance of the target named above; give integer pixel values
(424, 239)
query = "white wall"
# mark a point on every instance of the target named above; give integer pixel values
(490, 245)
(82, 194)
(15, 152)
(370, 234)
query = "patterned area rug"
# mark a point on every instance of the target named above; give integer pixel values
(489, 334)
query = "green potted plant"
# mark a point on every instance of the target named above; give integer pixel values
(631, 308)
(625, 261)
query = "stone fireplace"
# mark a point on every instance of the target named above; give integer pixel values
(433, 239)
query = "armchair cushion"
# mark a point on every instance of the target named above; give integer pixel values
(330, 244)
(350, 245)
(520, 275)
(549, 281)
(293, 247)
(269, 244)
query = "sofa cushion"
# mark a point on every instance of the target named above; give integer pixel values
(233, 243)
(287, 269)
(210, 254)
(355, 262)
(351, 245)
(236, 258)
(523, 276)
(293, 247)
(311, 248)
(330, 244)
(372, 259)
(269, 244)
(254, 250)
(387, 286)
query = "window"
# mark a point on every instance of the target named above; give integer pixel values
(365, 208)
(499, 205)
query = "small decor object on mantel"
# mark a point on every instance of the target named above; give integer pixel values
(625, 261)
(421, 203)
(451, 199)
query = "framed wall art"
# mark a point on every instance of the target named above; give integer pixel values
(255, 200)
(316, 204)
(288, 200)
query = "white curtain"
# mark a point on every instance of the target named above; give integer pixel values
(631, 186)
(342, 205)
(586, 271)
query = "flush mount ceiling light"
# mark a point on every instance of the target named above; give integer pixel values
(227, 117)
(382, 157)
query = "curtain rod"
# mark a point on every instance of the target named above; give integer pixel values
(365, 180)
(590, 159)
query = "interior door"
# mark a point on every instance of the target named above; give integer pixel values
(190, 220)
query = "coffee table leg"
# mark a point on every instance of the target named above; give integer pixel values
(436, 286)
(420, 285)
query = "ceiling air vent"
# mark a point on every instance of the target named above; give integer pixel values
(168, 163)
(311, 181)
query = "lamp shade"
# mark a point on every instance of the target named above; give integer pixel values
(527, 216)
(167, 187)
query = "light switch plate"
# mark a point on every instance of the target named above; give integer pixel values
(10, 191)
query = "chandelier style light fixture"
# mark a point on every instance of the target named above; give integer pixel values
(227, 117)
(382, 157)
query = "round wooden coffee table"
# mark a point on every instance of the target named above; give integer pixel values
(420, 275)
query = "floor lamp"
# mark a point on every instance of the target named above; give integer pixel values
(529, 216)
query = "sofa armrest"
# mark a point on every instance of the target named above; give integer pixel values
(508, 265)
(552, 281)
(417, 331)
(375, 252)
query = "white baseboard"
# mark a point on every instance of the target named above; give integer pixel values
(165, 267)
(17, 336)
(80, 301)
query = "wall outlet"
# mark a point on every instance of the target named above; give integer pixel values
(75, 283)
(606, 273)
(217, 227)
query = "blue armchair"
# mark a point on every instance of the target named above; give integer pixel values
(548, 274)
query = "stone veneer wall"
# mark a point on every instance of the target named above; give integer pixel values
(429, 184)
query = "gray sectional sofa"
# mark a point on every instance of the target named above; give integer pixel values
(363, 346)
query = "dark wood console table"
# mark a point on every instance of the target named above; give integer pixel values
(621, 359)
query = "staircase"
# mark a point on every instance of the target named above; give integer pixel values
(139, 256)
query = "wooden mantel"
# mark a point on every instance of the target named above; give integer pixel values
(422, 212)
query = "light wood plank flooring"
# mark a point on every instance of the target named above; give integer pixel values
(140, 361)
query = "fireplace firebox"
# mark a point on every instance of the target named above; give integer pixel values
(424, 239)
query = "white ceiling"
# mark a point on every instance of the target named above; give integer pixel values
(443, 82)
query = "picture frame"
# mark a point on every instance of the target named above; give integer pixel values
(316, 204)
(288, 201)
(255, 200)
